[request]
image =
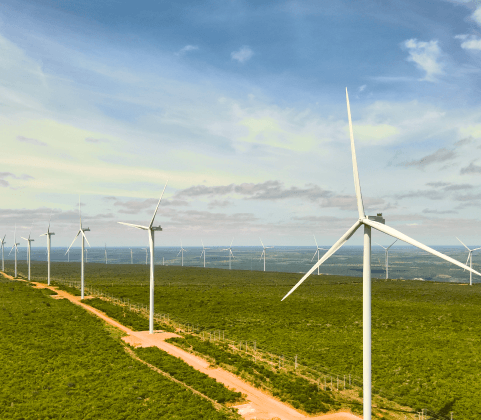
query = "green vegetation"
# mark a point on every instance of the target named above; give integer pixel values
(187, 374)
(299, 392)
(58, 361)
(425, 335)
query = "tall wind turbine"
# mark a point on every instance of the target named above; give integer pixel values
(2, 244)
(82, 231)
(105, 253)
(145, 255)
(387, 257)
(48, 234)
(230, 253)
(317, 252)
(28, 250)
(376, 222)
(470, 259)
(151, 229)
(181, 251)
(264, 253)
(15, 245)
(203, 251)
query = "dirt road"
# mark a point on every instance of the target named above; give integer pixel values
(260, 404)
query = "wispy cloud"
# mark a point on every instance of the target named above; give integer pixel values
(429, 211)
(31, 141)
(186, 49)
(242, 55)
(440, 155)
(92, 140)
(426, 56)
(469, 42)
(472, 168)
(5, 183)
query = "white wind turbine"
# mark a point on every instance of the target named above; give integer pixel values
(387, 256)
(264, 253)
(151, 229)
(48, 234)
(145, 249)
(28, 250)
(470, 259)
(376, 222)
(105, 253)
(82, 231)
(230, 253)
(317, 252)
(15, 245)
(203, 251)
(3, 260)
(182, 251)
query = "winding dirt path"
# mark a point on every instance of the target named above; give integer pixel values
(260, 404)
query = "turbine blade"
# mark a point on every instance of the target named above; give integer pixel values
(232, 242)
(331, 251)
(261, 242)
(462, 243)
(23, 238)
(73, 242)
(379, 244)
(135, 226)
(314, 254)
(315, 241)
(392, 244)
(155, 212)
(202, 244)
(475, 249)
(396, 234)
(44, 234)
(357, 184)
(85, 237)
(79, 212)
(179, 252)
(469, 254)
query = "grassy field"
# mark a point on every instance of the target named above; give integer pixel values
(425, 335)
(59, 361)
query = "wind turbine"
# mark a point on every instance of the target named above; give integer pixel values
(131, 256)
(376, 222)
(151, 229)
(203, 251)
(387, 257)
(28, 250)
(48, 234)
(2, 244)
(105, 253)
(470, 259)
(230, 253)
(145, 255)
(317, 252)
(82, 231)
(264, 253)
(15, 245)
(182, 251)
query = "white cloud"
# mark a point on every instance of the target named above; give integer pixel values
(244, 54)
(187, 48)
(425, 55)
(470, 42)
(476, 16)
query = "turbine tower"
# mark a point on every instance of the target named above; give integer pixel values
(3, 260)
(15, 245)
(181, 251)
(470, 259)
(145, 255)
(131, 256)
(264, 253)
(28, 250)
(105, 253)
(203, 251)
(386, 259)
(376, 222)
(82, 231)
(151, 229)
(230, 253)
(48, 234)
(317, 252)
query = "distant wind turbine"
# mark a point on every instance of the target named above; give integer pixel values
(230, 253)
(28, 250)
(264, 253)
(105, 253)
(376, 222)
(151, 229)
(2, 244)
(203, 251)
(15, 245)
(470, 259)
(48, 234)
(82, 231)
(181, 252)
(317, 252)
(131, 256)
(387, 256)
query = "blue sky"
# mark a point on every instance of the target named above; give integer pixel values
(241, 106)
